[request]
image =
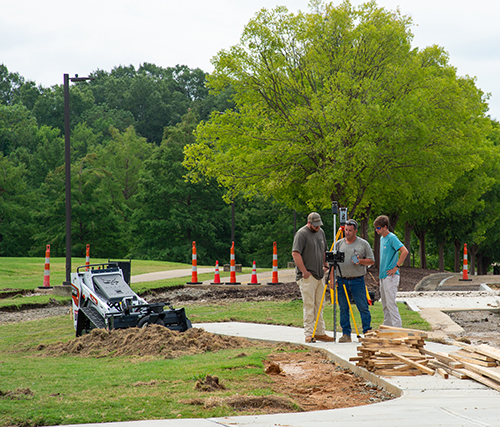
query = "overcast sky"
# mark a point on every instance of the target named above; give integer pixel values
(43, 39)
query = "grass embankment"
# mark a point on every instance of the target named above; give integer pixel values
(71, 389)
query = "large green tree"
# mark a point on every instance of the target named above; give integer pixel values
(172, 213)
(335, 104)
(16, 228)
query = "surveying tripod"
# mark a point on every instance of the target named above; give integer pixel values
(334, 258)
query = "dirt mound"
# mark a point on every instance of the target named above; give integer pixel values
(264, 404)
(18, 394)
(154, 340)
(209, 383)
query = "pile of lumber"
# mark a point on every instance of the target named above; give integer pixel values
(393, 351)
(398, 351)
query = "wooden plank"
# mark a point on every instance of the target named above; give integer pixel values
(403, 367)
(393, 373)
(414, 332)
(493, 350)
(474, 355)
(443, 373)
(455, 372)
(402, 353)
(483, 380)
(390, 341)
(458, 373)
(443, 357)
(420, 367)
(393, 334)
(490, 373)
(483, 349)
(464, 359)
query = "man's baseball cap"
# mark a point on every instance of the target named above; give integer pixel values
(315, 219)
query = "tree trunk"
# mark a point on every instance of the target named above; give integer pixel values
(441, 255)
(393, 219)
(421, 238)
(364, 228)
(376, 249)
(471, 260)
(364, 223)
(483, 262)
(458, 246)
(407, 242)
(479, 260)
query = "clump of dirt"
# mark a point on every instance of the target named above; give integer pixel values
(155, 340)
(19, 394)
(209, 383)
(261, 404)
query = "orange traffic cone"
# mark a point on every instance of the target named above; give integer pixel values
(232, 274)
(275, 266)
(46, 272)
(87, 257)
(253, 281)
(194, 273)
(216, 275)
(465, 272)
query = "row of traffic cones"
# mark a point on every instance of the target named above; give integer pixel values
(232, 274)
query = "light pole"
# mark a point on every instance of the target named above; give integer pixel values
(67, 160)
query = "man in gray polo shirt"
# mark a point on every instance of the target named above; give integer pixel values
(358, 256)
(308, 252)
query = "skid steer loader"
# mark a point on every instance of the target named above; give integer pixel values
(103, 299)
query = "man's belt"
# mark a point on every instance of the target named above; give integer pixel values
(351, 278)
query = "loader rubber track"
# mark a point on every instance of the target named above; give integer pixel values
(93, 315)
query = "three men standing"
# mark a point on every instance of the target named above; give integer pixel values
(308, 252)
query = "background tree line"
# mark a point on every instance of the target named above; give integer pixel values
(278, 129)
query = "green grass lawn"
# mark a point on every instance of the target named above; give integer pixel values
(27, 273)
(70, 389)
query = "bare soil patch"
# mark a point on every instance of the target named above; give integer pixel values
(304, 381)
(480, 327)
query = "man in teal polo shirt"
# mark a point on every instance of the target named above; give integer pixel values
(392, 256)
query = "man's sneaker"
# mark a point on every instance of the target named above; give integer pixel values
(325, 338)
(345, 338)
(308, 339)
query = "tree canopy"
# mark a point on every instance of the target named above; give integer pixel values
(335, 104)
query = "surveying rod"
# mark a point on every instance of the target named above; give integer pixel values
(333, 294)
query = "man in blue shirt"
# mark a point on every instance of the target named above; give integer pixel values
(392, 256)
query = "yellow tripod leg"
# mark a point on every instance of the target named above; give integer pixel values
(319, 312)
(350, 309)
